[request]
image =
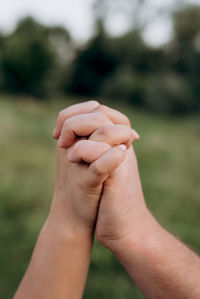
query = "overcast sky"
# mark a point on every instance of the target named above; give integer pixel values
(76, 15)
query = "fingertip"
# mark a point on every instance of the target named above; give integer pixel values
(55, 133)
(61, 142)
(55, 136)
(135, 134)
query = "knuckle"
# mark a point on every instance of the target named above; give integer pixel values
(104, 131)
(99, 116)
(94, 103)
(102, 108)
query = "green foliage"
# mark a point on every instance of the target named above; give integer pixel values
(26, 59)
(187, 24)
(186, 51)
(126, 69)
(125, 85)
(135, 63)
(29, 56)
(40, 60)
(168, 155)
(168, 92)
(93, 65)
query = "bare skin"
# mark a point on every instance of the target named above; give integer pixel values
(159, 264)
(59, 265)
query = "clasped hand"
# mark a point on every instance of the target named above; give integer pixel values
(97, 182)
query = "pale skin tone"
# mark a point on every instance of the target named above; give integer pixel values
(103, 195)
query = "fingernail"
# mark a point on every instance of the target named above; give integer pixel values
(123, 147)
(135, 135)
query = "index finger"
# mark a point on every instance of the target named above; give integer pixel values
(115, 116)
(73, 110)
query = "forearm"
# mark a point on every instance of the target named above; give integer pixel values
(161, 265)
(59, 265)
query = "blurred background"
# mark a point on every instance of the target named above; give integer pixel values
(140, 57)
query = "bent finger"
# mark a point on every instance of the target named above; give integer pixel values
(71, 111)
(81, 125)
(115, 116)
(99, 170)
(114, 135)
(87, 151)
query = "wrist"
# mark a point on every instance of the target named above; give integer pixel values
(143, 232)
(66, 229)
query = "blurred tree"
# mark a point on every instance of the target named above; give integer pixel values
(135, 61)
(167, 92)
(184, 51)
(188, 38)
(1, 46)
(93, 65)
(30, 55)
(131, 9)
(61, 42)
(116, 67)
(64, 49)
(27, 58)
(35, 59)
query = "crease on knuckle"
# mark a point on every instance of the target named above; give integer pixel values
(103, 131)
(99, 117)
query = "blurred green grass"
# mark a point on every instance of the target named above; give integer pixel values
(168, 155)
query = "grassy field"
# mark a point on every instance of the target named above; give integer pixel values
(168, 155)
